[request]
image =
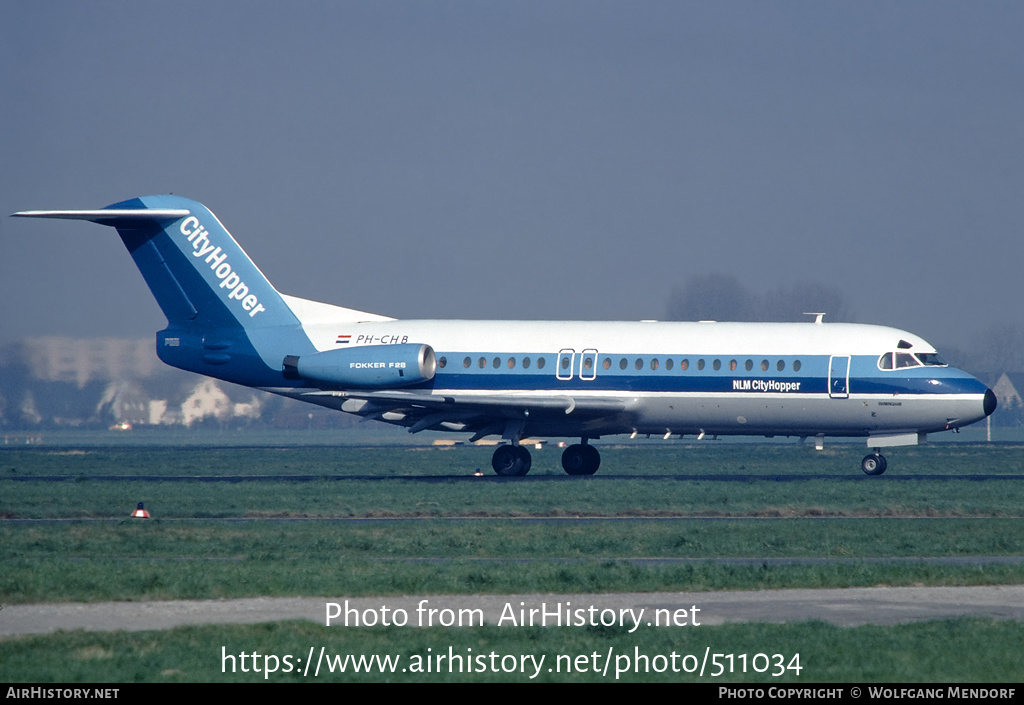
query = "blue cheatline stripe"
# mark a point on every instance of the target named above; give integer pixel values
(812, 378)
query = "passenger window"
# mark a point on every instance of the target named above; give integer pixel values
(700, 364)
(511, 363)
(607, 364)
(781, 365)
(684, 365)
(588, 363)
(639, 364)
(668, 364)
(654, 364)
(764, 365)
(622, 364)
(467, 362)
(442, 361)
(733, 365)
(526, 363)
(796, 365)
(564, 364)
(748, 365)
(497, 362)
(540, 363)
(717, 364)
(482, 362)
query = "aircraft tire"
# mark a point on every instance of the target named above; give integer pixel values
(511, 461)
(873, 464)
(580, 459)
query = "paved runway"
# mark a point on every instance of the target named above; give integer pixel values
(845, 607)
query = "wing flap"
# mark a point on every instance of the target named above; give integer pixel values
(477, 414)
(515, 403)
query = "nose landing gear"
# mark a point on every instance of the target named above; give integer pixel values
(873, 464)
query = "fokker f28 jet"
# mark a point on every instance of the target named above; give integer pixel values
(517, 379)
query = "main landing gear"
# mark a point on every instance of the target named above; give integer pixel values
(873, 464)
(510, 461)
(515, 460)
(581, 459)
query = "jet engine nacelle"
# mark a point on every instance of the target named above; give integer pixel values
(366, 366)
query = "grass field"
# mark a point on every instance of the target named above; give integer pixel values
(953, 651)
(416, 522)
(633, 481)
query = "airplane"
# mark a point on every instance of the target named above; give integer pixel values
(541, 379)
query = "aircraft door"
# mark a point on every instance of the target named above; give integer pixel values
(839, 376)
(588, 364)
(571, 363)
(564, 369)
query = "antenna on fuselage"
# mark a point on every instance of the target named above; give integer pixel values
(818, 317)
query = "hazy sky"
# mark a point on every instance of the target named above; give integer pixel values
(523, 159)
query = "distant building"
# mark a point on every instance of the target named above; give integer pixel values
(125, 402)
(1007, 395)
(206, 399)
(61, 382)
(81, 360)
(55, 382)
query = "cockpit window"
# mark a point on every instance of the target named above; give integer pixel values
(931, 359)
(902, 360)
(906, 360)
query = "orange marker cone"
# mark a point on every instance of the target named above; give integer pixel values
(140, 512)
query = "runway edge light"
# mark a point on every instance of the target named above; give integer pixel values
(140, 512)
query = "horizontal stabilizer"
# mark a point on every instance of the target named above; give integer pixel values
(110, 215)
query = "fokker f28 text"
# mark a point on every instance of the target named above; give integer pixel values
(517, 379)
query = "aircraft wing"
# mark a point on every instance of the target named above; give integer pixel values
(481, 414)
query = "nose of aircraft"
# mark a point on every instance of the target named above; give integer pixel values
(989, 405)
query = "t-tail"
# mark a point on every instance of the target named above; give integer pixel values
(224, 318)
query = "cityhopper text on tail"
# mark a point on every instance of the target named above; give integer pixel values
(518, 379)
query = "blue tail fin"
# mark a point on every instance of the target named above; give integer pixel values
(224, 319)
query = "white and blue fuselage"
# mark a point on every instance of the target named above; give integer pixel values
(791, 379)
(519, 379)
